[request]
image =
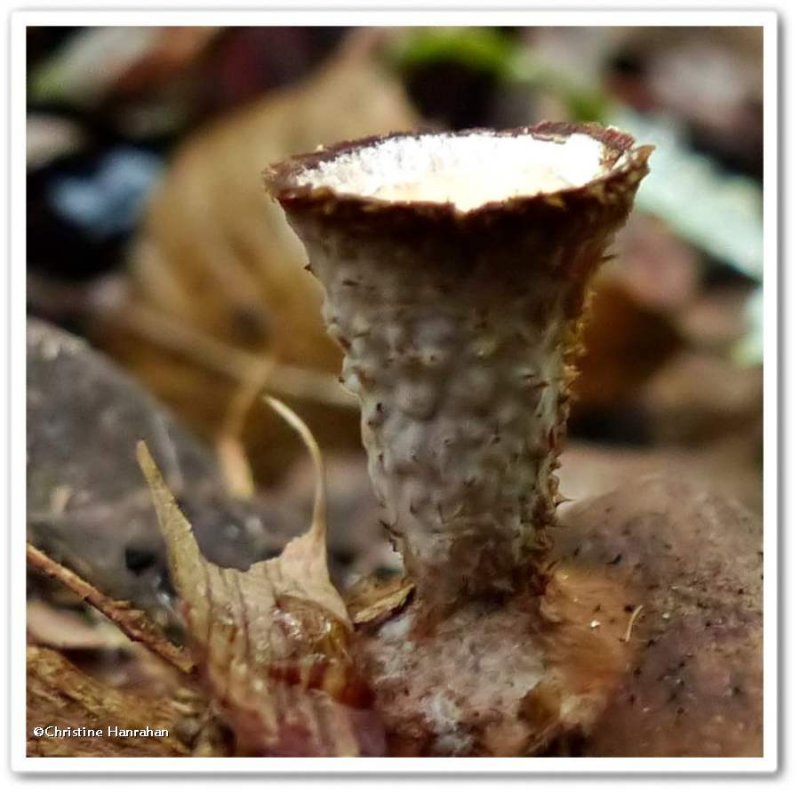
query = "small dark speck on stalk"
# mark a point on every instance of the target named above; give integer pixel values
(183, 507)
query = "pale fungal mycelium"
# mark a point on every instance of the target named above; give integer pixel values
(455, 268)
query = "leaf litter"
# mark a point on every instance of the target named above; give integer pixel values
(268, 668)
(273, 642)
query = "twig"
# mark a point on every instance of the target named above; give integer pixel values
(634, 617)
(235, 467)
(131, 621)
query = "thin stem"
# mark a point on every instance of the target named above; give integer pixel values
(131, 621)
(297, 424)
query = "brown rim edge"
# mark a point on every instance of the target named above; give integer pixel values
(281, 178)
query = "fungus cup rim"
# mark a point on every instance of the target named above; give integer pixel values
(282, 180)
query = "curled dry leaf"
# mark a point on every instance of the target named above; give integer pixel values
(273, 642)
(371, 599)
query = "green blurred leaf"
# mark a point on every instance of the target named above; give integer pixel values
(482, 49)
(489, 50)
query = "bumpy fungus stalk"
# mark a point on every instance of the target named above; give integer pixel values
(455, 268)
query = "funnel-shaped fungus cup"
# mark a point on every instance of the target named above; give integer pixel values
(455, 268)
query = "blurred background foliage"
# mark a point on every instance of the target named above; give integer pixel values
(149, 232)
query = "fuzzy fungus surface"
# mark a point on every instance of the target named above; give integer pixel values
(455, 268)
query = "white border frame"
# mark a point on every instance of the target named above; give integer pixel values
(378, 17)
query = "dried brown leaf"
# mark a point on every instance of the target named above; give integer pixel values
(272, 642)
(371, 599)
